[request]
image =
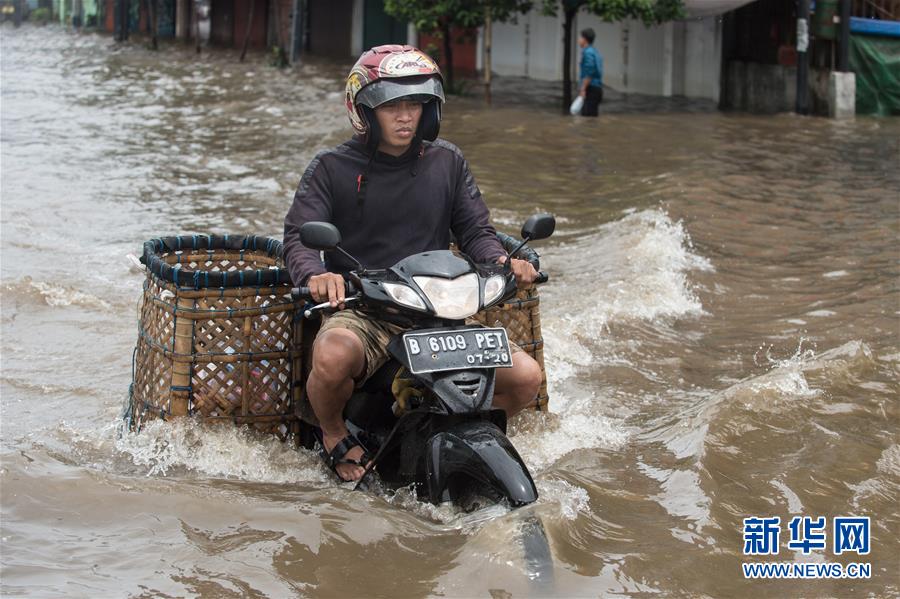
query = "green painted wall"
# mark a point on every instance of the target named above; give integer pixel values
(90, 11)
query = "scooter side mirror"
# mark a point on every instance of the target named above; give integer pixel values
(320, 236)
(539, 226)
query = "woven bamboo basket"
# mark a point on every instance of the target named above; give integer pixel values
(217, 334)
(521, 317)
(221, 339)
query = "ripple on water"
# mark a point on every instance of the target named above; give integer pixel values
(53, 295)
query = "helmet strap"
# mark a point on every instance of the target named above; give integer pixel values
(373, 129)
(430, 122)
(419, 149)
(362, 181)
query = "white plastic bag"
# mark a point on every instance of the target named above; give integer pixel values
(575, 108)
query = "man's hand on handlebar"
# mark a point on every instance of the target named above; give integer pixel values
(328, 287)
(522, 269)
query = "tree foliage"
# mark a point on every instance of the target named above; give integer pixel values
(651, 12)
(440, 17)
(429, 16)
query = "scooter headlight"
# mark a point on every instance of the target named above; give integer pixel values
(453, 299)
(493, 289)
(405, 296)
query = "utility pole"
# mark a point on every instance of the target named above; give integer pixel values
(844, 56)
(153, 15)
(296, 32)
(802, 62)
(249, 30)
(121, 19)
(487, 55)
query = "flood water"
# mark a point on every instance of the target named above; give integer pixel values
(722, 332)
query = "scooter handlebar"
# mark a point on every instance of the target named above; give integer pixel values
(305, 294)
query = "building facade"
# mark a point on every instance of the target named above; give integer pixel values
(676, 58)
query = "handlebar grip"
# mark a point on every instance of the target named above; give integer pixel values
(304, 292)
(541, 278)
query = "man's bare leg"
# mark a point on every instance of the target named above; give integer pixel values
(516, 388)
(338, 358)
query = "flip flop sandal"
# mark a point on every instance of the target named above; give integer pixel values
(336, 456)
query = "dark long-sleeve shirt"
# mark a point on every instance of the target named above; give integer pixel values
(410, 204)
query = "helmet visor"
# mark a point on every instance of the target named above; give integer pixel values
(416, 89)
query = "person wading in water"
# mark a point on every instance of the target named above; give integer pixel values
(590, 74)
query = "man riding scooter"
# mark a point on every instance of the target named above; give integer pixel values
(393, 190)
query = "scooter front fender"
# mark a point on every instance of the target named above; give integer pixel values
(476, 451)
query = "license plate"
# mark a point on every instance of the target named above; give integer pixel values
(457, 349)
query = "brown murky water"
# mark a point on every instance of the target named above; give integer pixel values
(722, 332)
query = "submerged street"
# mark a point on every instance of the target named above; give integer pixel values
(721, 335)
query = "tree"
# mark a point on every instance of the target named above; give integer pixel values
(651, 12)
(440, 17)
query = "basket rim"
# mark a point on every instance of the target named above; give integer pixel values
(204, 279)
(154, 249)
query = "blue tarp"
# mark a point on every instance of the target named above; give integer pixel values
(875, 27)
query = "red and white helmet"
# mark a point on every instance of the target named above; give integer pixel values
(387, 73)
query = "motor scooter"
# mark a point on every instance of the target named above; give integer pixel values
(427, 416)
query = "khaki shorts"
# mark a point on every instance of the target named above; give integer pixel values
(375, 336)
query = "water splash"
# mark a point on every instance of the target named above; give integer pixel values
(635, 268)
(885, 485)
(218, 451)
(889, 462)
(789, 377)
(543, 439)
(776, 391)
(784, 379)
(568, 500)
(556, 499)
